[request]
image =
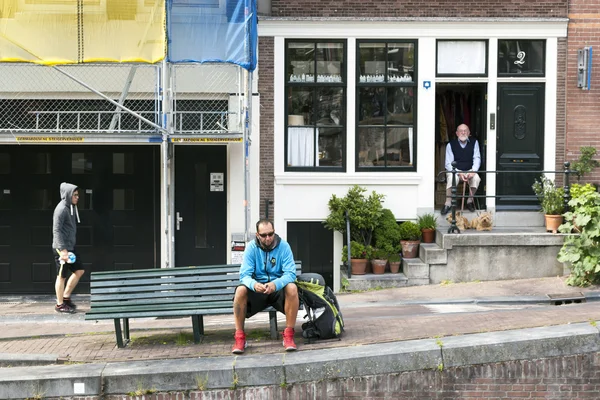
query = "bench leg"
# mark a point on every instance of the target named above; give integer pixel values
(126, 329)
(118, 333)
(198, 327)
(273, 324)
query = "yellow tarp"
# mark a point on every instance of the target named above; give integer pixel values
(75, 31)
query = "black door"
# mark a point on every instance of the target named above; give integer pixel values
(200, 205)
(118, 209)
(520, 143)
(312, 244)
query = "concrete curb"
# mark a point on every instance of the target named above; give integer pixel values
(313, 365)
(18, 360)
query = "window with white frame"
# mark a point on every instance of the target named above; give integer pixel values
(386, 105)
(315, 105)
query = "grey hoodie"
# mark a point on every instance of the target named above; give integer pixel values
(64, 226)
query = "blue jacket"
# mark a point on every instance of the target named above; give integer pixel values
(263, 265)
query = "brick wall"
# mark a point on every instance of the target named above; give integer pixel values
(265, 88)
(419, 8)
(569, 377)
(583, 106)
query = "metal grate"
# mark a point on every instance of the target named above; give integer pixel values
(566, 298)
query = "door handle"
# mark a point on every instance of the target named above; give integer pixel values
(517, 161)
(178, 220)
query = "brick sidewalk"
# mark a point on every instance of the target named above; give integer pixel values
(364, 325)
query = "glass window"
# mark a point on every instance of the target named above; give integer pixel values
(386, 92)
(41, 199)
(81, 163)
(462, 57)
(123, 163)
(315, 105)
(123, 199)
(521, 57)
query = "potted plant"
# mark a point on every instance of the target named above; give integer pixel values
(552, 202)
(394, 260)
(379, 261)
(410, 238)
(428, 224)
(358, 257)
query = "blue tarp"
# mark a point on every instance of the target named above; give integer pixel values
(206, 31)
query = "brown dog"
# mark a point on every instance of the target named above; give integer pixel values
(461, 222)
(483, 222)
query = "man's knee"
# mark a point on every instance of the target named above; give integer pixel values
(241, 294)
(291, 289)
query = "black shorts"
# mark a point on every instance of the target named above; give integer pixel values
(77, 265)
(259, 301)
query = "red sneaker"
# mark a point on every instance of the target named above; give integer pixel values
(288, 339)
(240, 342)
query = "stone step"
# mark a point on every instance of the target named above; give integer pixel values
(416, 271)
(432, 253)
(374, 281)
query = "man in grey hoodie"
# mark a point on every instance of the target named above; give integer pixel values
(64, 232)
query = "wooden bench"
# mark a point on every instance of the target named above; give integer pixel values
(167, 292)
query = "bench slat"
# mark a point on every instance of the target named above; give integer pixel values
(172, 294)
(167, 280)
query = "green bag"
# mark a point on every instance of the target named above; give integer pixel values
(325, 319)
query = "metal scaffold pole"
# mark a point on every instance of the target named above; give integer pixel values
(166, 241)
(247, 143)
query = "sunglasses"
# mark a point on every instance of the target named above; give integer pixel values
(264, 235)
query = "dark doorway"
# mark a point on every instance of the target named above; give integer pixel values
(200, 205)
(312, 244)
(455, 104)
(118, 209)
(520, 143)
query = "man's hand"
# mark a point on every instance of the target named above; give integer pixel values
(64, 255)
(270, 288)
(259, 287)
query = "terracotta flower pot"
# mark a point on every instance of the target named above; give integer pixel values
(553, 222)
(395, 267)
(428, 235)
(410, 248)
(359, 266)
(378, 266)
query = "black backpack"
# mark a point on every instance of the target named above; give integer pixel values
(325, 319)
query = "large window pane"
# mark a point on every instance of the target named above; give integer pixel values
(521, 57)
(330, 106)
(371, 146)
(315, 104)
(330, 59)
(301, 67)
(372, 60)
(300, 105)
(399, 146)
(400, 105)
(401, 62)
(371, 105)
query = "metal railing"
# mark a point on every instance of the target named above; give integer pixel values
(455, 196)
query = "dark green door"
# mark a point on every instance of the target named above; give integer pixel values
(118, 208)
(312, 244)
(200, 205)
(520, 143)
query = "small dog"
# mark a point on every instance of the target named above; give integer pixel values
(462, 223)
(483, 222)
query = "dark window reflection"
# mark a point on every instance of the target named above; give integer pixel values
(521, 57)
(81, 163)
(4, 163)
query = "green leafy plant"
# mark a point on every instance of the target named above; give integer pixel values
(585, 163)
(380, 254)
(357, 250)
(551, 197)
(410, 231)
(427, 221)
(364, 213)
(394, 257)
(582, 250)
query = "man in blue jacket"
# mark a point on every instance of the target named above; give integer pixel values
(267, 274)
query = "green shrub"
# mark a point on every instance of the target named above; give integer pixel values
(551, 197)
(379, 254)
(410, 231)
(387, 232)
(357, 250)
(582, 250)
(576, 190)
(394, 257)
(364, 214)
(427, 221)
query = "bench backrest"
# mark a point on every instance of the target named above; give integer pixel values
(207, 283)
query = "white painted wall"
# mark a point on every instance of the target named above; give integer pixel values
(304, 196)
